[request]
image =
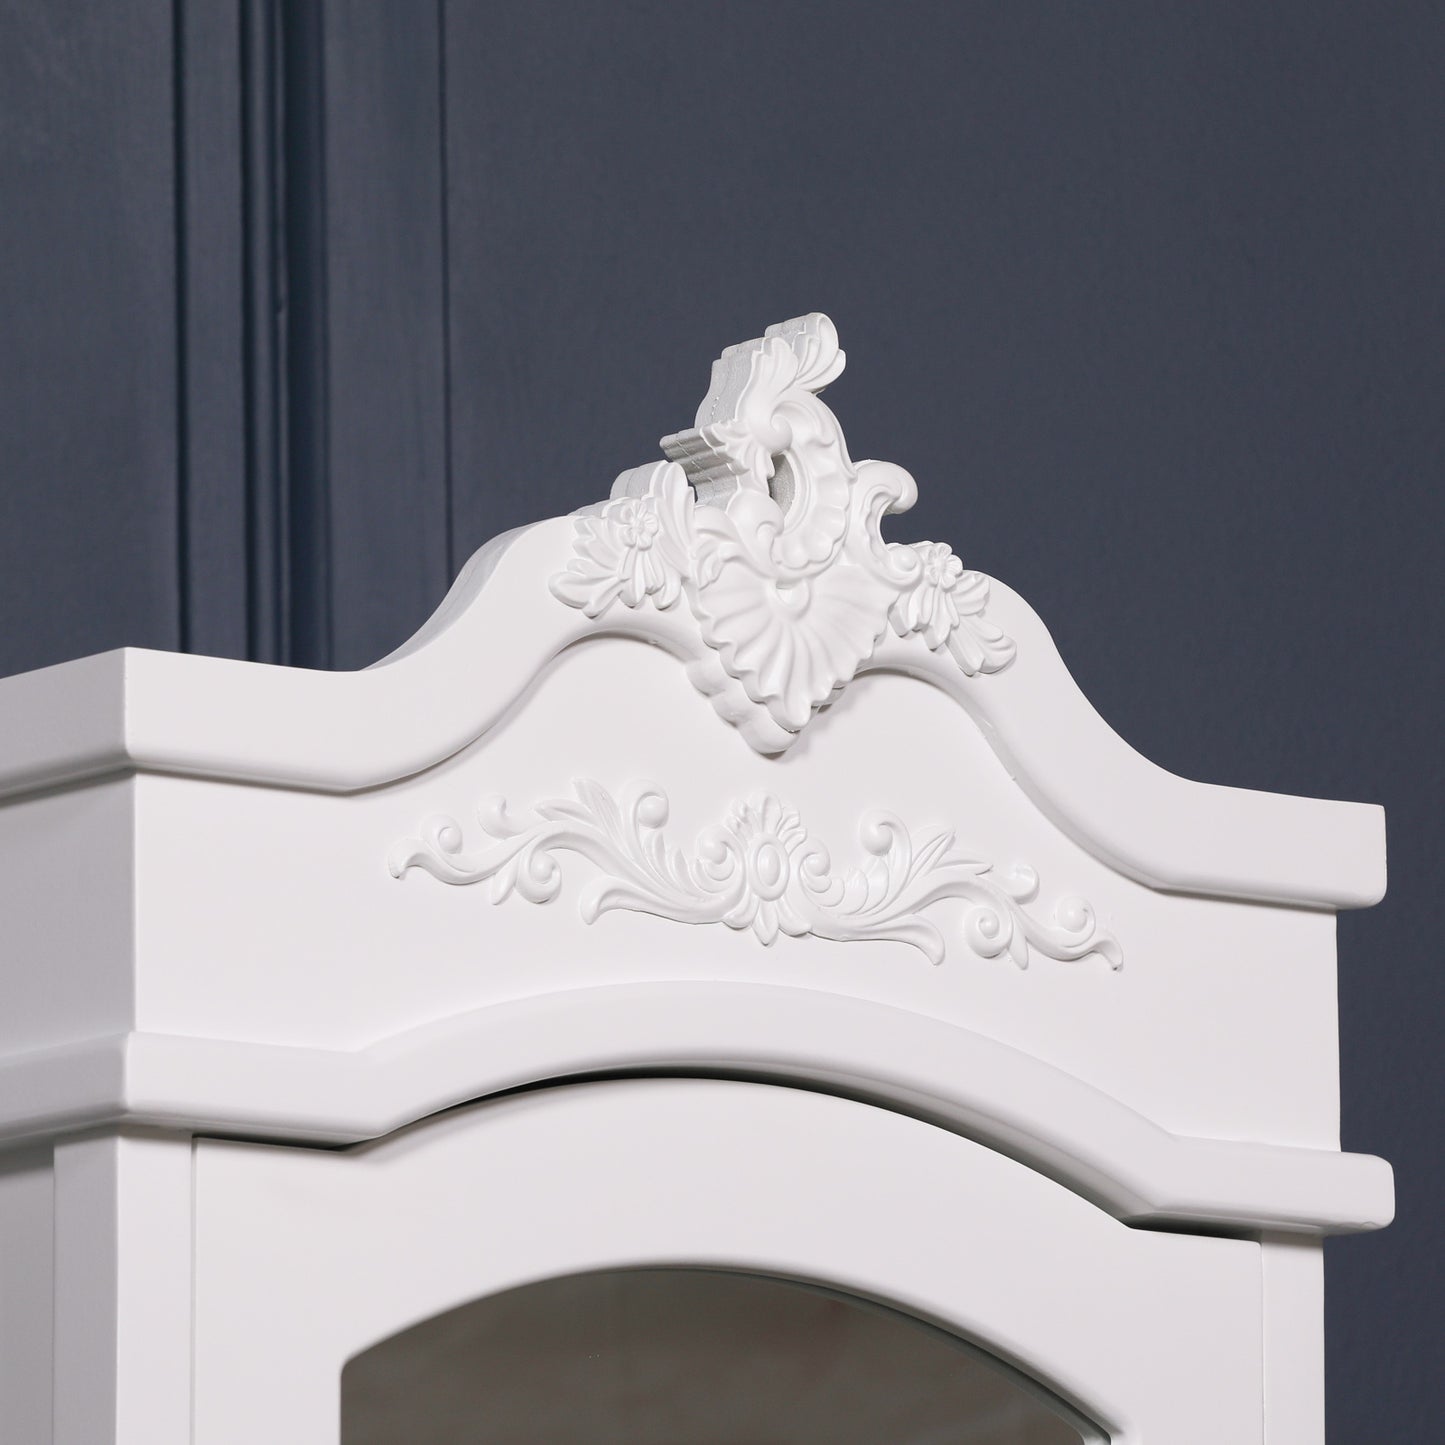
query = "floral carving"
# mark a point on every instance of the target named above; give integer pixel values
(945, 606)
(759, 869)
(772, 534)
(632, 548)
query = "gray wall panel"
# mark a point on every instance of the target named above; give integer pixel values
(88, 556)
(210, 209)
(386, 382)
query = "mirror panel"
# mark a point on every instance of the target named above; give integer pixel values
(687, 1357)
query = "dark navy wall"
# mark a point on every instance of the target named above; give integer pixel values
(87, 334)
(301, 302)
(222, 322)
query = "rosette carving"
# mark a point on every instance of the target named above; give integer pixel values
(772, 534)
(760, 869)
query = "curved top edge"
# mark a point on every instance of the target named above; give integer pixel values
(343, 732)
(759, 527)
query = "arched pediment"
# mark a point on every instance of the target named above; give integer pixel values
(753, 555)
(715, 774)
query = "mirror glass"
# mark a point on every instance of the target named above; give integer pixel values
(687, 1357)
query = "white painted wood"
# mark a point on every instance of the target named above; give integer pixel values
(342, 732)
(69, 970)
(961, 1080)
(1219, 1026)
(122, 1279)
(27, 1201)
(305, 1258)
(1294, 1339)
(1220, 1023)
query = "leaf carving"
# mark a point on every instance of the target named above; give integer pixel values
(760, 869)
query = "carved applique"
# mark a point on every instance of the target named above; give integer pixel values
(771, 534)
(761, 869)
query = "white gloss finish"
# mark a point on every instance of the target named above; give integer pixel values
(901, 859)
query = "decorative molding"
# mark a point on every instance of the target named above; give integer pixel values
(759, 869)
(1008, 1099)
(499, 629)
(771, 533)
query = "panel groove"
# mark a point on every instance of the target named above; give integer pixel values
(186, 627)
(210, 382)
(302, 233)
(284, 345)
(264, 340)
(448, 510)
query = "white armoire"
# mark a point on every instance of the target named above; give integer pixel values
(720, 981)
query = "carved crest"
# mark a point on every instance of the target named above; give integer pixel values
(768, 531)
(761, 868)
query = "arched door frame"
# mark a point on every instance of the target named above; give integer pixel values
(305, 1257)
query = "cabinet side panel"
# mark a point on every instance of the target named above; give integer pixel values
(1294, 1340)
(122, 1352)
(27, 1192)
(66, 898)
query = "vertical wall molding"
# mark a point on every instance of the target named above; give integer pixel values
(312, 397)
(452, 561)
(302, 263)
(284, 285)
(211, 394)
(263, 281)
(252, 414)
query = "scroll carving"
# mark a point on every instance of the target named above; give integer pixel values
(769, 534)
(760, 868)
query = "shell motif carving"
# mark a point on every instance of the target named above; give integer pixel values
(759, 869)
(770, 534)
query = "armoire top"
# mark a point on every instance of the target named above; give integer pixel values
(844, 821)
(754, 555)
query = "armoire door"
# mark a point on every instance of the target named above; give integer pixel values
(924, 1275)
